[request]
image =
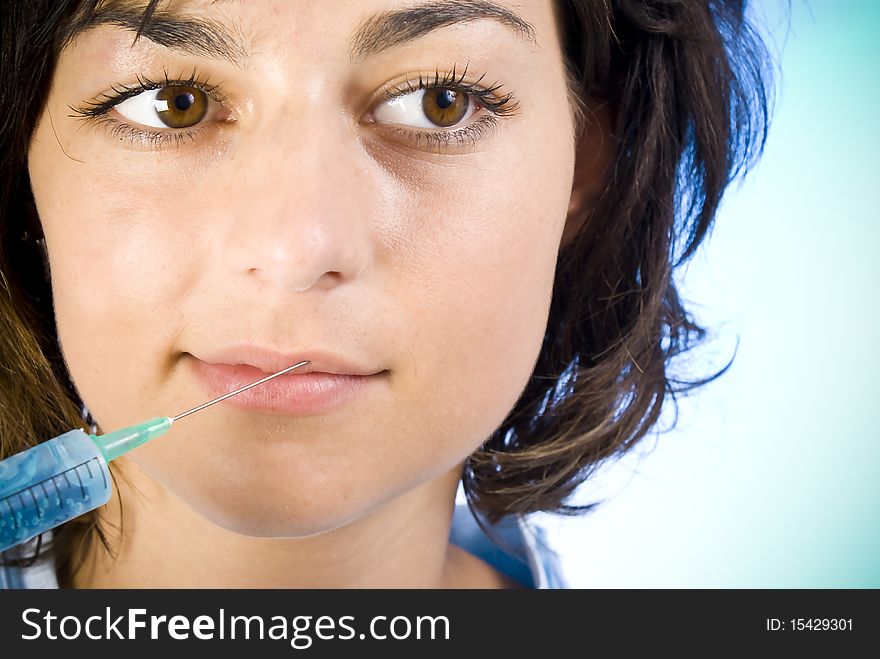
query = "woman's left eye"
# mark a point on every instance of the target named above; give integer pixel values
(436, 107)
(167, 107)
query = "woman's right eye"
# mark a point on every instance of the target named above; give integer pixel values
(166, 107)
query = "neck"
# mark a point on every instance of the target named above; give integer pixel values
(165, 544)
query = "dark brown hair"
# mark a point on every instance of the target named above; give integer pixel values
(687, 82)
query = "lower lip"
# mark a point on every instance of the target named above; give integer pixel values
(290, 394)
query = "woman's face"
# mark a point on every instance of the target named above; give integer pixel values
(304, 211)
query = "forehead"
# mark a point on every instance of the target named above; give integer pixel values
(232, 29)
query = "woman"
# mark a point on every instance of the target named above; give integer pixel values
(464, 213)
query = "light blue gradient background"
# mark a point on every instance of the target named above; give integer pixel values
(771, 477)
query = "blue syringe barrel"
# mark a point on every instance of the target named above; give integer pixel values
(50, 484)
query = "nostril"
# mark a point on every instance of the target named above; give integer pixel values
(331, 278)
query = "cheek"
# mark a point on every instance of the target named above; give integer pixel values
(120, 256)
(479, 287)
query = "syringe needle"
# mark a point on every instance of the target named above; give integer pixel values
(68, 452)
(120, 442)
(237, 391)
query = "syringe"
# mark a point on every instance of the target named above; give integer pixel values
(51, 483)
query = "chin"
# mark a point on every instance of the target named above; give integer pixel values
(293, 519)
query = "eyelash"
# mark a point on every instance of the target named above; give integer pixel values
(96, 110)
(499, 106)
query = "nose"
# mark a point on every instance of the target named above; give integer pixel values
(299, 209)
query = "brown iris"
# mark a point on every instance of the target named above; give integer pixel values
(181, 107)
(444, 106)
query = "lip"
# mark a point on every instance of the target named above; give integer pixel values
(271, 361)
(325, 384)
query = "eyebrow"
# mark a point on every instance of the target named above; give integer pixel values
(201, 37)
(207, 38)
(396, 27)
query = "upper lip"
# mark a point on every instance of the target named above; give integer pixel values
(271, 360)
